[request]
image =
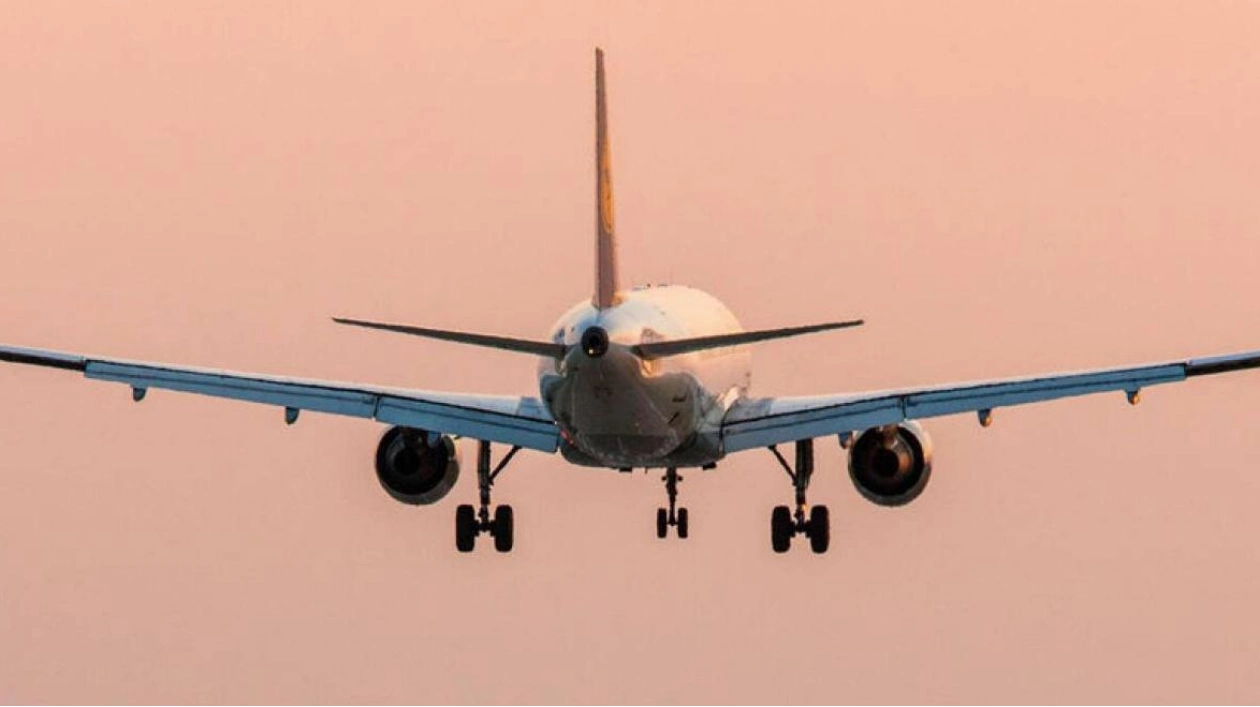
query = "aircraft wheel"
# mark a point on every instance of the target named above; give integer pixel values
(781, 529)
(504, 528)
(662, 523)
(819, 529)
(682, 523)
(465, 528)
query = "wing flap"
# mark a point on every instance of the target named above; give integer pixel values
(222, 384)
(517, 429)
(1018, 392)
(518, 421)
(765, 422)
(760, 423)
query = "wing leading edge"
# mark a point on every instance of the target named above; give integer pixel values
(517, 421)
(767, 421)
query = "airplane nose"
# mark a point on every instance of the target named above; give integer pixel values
(595, 342)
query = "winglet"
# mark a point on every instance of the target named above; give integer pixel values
(606, 280)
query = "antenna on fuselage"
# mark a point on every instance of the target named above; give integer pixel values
(607, 285)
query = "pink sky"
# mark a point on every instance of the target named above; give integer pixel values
(998, 188)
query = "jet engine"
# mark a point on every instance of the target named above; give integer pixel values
(891, 465)
(415, 466)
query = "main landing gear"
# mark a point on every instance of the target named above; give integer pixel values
(783, 522)
(470, 523)
(674, 517)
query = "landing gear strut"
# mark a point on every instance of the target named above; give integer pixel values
(674, 517)
(470, 522)
(784, 523)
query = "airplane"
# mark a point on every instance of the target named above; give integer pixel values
(653, 377)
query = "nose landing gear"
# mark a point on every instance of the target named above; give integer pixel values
(674, 517)
(470, 522)
(784, 523)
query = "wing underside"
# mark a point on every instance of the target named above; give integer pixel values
(518, 421)
(769, 421)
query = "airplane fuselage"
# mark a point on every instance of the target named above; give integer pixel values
(616, 409)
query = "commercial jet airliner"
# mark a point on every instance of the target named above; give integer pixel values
(650, 377)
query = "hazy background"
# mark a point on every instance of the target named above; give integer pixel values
(999, 188)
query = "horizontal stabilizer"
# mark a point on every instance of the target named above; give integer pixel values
(538, 348)
(660, 349)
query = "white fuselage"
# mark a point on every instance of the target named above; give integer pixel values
(621, 411)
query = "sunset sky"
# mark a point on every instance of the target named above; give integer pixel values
(998, 188)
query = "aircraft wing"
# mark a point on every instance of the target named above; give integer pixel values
(517, 421)
(767, 421)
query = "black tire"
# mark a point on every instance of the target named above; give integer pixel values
(504, 528)
(465, 528)
(781, 529)
(682, 523)
(819, 529)
(662, 523)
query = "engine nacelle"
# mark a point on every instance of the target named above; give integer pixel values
(891, 465)
(415, 466)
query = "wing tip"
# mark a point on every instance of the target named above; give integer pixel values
(42, 357)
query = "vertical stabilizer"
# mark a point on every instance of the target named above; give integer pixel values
(606, 281)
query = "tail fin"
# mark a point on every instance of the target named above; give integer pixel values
(606, 281)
